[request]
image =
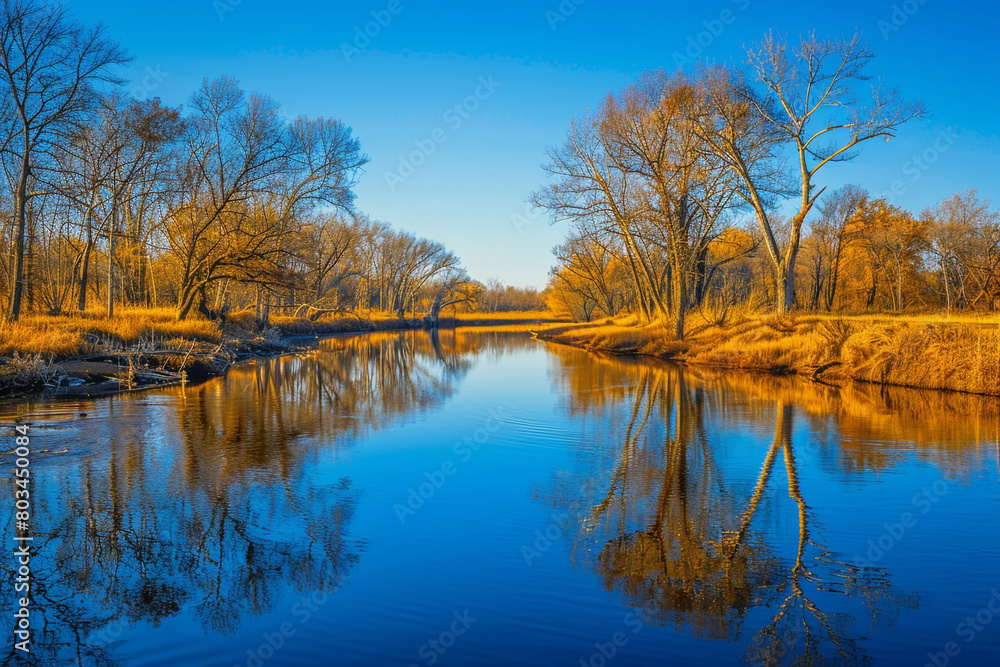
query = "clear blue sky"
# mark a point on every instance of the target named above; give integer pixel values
(430, 56)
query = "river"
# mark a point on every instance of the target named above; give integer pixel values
(481, 498)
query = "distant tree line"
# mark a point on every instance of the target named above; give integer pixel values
(656, 182)
(496, 297)
(858, 254)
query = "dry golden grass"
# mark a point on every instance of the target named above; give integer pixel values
(511, 317)
(36, 341)
(622, 335)
(90, 331)
(68, 335)
(924, 351)
(375, 320)
(933, 355)
(340, 323)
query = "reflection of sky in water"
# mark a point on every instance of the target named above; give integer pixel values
(188, 527)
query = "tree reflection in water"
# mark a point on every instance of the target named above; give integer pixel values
(680, 537)
(209, 507)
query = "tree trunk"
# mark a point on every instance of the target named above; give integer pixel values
(899, 286)
(816, 290)
(17, 288)
(151, 289)
(873, 292)
(184, 308)
(263, 314)
(435, 314)
(785, 297)
(785, 289)
(111, 269)
(85, 268)
(142, 291)
(639, 291)
(189, 291)
(680, 303)
(947, 285)
(831, 290)
(701, 276)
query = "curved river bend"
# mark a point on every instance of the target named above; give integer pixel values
(480, 498)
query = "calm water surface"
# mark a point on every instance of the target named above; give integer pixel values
(485, 499)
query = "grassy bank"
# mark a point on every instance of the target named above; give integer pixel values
(32, 348)
(928, 352)
(92, 332)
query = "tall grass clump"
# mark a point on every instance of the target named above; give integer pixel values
(961, 357)
(62, 336)
(929, 352)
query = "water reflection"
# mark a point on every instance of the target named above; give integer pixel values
(668, 523)
(703, 500)
(209, 504)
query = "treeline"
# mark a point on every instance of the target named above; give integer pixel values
(867, 254)
(496, 297)
(658, 181)
(223, 204)
(858, 254)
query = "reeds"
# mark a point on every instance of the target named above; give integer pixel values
(959, 356)
(931, 352)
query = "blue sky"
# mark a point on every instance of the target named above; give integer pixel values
(534, 65)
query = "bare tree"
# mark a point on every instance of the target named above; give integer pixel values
(452, 287)
(49, 67)
(107, 169)
(808, 95)
(592, 187)
(655, 133)
(249, 179)
(895, 241)
(833, 233)
(963, 238)
(328, 254)
(587, 266)
(408, 264)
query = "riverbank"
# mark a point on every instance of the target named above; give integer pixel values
(925, 352)
(90, 354)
